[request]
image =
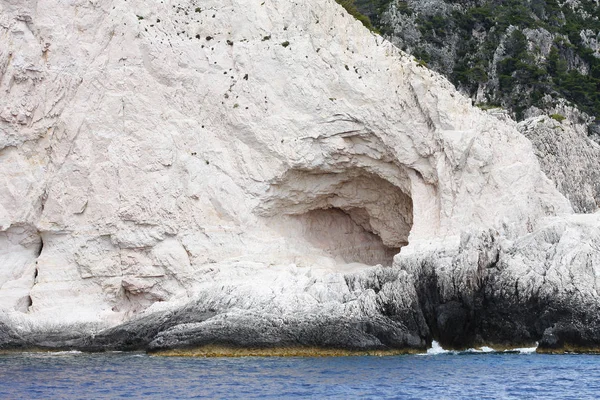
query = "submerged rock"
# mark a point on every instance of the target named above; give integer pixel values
(242, 175)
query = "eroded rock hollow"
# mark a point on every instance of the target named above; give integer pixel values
(350, 213)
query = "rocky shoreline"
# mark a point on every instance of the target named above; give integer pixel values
(401, 309)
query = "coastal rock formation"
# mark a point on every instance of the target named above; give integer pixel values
(186, 174)
(567, 156)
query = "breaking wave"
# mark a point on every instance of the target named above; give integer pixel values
(437, 349)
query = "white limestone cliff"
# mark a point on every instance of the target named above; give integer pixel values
(151, 151)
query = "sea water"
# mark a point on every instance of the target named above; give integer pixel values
(436, 375)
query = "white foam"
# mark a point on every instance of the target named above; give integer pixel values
(437, 349)
(46, 354)
(526, 350)
(483, 349)
(62, 353)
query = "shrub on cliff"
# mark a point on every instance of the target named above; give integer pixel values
(496, 51)
(351, 8)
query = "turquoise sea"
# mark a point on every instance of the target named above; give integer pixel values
(468, 375)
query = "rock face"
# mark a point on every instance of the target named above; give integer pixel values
(238, 173)
(567, 156)
(502, 293)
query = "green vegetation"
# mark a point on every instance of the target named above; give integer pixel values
(351, 8)
(421, 63)
(558, 117)
(523, 81)
(493, 51)
(373, 10)
(487, 106)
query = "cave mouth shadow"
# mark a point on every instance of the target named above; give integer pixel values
(352, 215)
(334, 231)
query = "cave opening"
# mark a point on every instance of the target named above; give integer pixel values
(345, 238)
(352, 215)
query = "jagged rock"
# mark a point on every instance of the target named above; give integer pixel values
(8, 339)
(230, 173)
(505, 293)
(568, 157)
(591, 40)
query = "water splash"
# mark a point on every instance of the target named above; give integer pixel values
(483, 349)
(437, 349)
(526, 350)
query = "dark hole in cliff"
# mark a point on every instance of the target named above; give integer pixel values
(352, 215)
(40, 248)
(24, 304)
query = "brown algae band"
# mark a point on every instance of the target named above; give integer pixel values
(296, 351)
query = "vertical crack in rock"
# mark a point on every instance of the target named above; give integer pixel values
(29, 299)
(20, 247)
(39, 250)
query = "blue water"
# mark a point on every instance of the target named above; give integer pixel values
(442, 376)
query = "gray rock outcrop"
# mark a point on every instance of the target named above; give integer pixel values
(568, 157)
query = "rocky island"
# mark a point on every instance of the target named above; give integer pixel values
(271, 177)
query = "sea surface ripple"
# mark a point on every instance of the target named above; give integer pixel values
(443, 375)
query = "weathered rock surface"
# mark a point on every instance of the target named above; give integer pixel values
(567, 155)
(185, 174)
(502, 293)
